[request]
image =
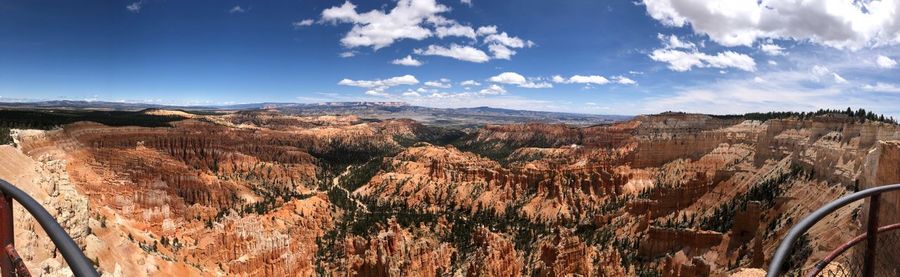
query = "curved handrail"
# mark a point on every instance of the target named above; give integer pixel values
(804, 225)
(70, 251)
(844, 247)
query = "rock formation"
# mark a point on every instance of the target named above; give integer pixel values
(267, 194)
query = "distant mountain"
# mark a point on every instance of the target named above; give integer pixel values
(377, 110)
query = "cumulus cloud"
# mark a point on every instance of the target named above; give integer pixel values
(493, 89)
(443, 83)
(378, 29)
(469, 83)
(487, 30)
(622, 80)
(501, 52)
(466, 2)
(303, 23)
(459, 52)
(455, 29)
(375, 92)
(379, 83)
(418, 20)
(505, 39)
(513, 78)
(347, 54)
(684, 61)
(885, 62)
(673, 42)
(582, 79)
(771, 49)
(407, 61)
(835, 23)
(501, 44)
(135, 7)
(236, 9)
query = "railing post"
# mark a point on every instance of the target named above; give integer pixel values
(871, 236)
(7, 237)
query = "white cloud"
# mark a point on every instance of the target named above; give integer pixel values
(536, 85)
(487, 30)
(835, 23)
(375, 92)
(378, 29)
(439, 84)
(469, 83)
(459, 52)
(236, 9)
(347, 54)
(504, 39)
(683, 61)
(885, 62)
(622, 80)
(819, 72)
(135, 7)
(411, 93)
(512, 78)
(455, 29)
(673, 42)
(382, 84)
(501, 52)
(632, 72)
(883, 87)
(418, 20)
(582, 79)
(500, 44)
(771, 62)
(771, 49)
(493, 89)
(838, 79)
(773, 91)
(303, 23)
(593, 80)
(466, 2)
(407, 61)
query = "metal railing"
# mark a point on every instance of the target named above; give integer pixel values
(10, 262)
(782, 254)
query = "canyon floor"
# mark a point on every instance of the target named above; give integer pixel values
(267, 193)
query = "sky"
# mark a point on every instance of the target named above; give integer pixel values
(600, 57)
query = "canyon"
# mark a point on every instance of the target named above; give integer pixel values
(271, 193)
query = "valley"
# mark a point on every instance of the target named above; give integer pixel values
(275, 193)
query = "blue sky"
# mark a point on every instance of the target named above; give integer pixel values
(608, 57)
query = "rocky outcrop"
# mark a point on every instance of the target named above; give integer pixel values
(494, 255)
(436, 178)
(563, 254)
(665, 240)
(882, 167)
(397, 251)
